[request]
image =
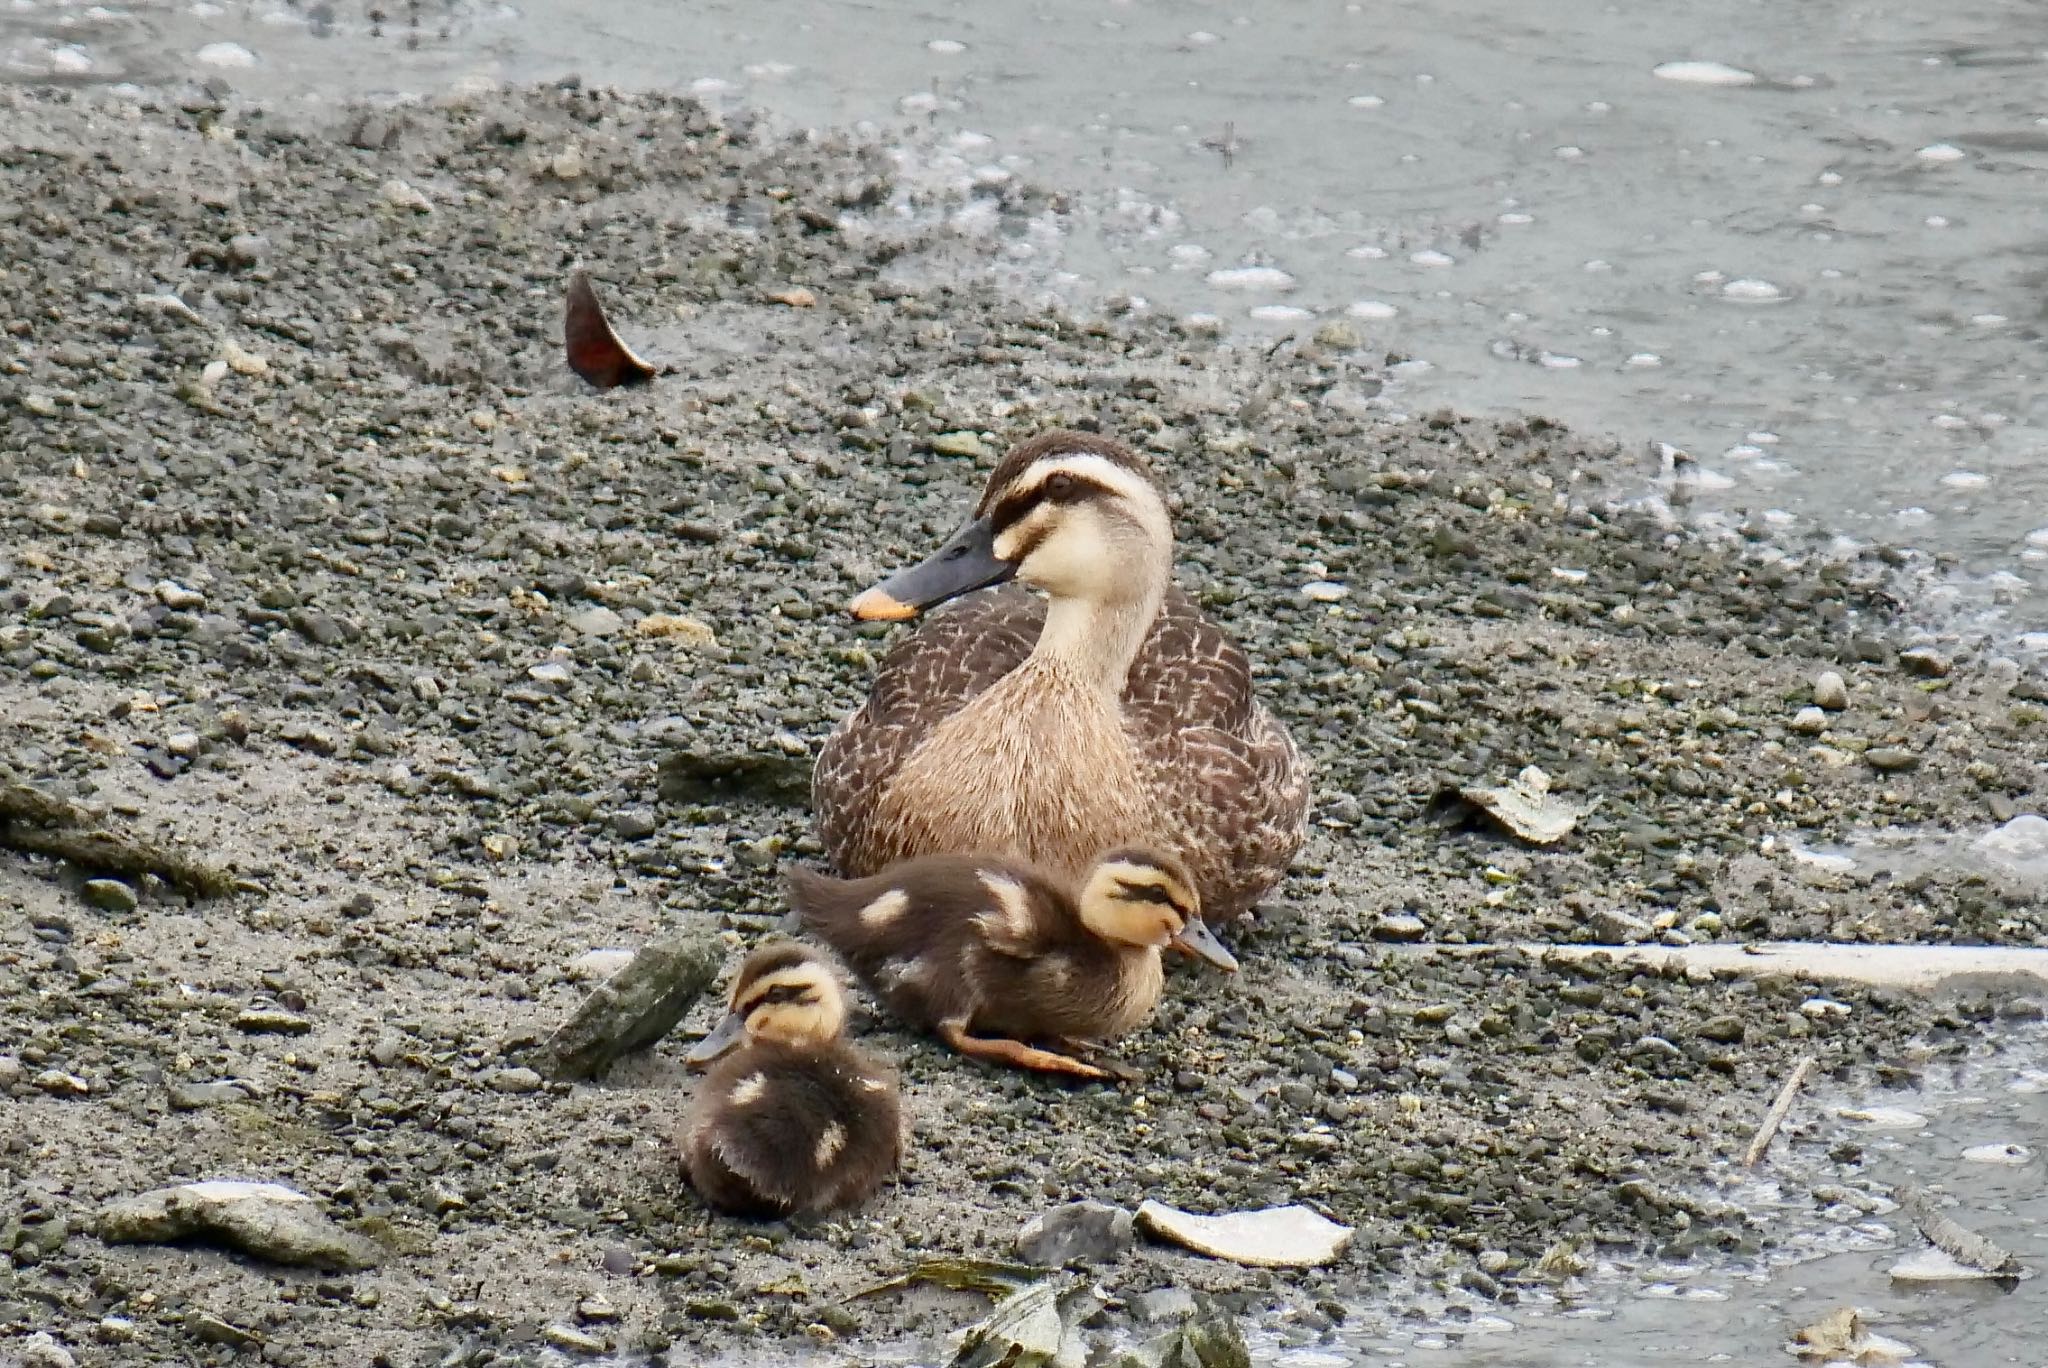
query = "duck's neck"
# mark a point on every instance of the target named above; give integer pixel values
(1096, 639)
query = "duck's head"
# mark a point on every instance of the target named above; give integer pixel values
(785, 992)
(1148, 898)
(1072, 513)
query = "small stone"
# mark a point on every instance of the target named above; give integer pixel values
(574, 1340)
(966, 444)
(1337, 336)
(598, 622)
(40, 404)
(267, 1220)
(272, 1021)
(1824, 1009)
(683, 630)
(635, 824)
(1163, 1304)
(796, 298)
(619, 1261)
(499, 846)
(41, 1351)
(1325, 591)
(598, 965)
(199, 1096)
(596, 1308)
(1809, 721)
(514, 1080)
(483, 420)
(248, 249)
(177, 597)
(109, 895)
(1830, 691)
(1080, 1232)
(403, 195)
(568, 163)
(1400, 926)
(1889, 759)
(1617, 927)
(243, 362)
(60, 1084)
(555, 674)
(2007, 1153)
(211, 1329)
(1925, 661)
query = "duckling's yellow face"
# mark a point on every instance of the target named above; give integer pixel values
(1148, 899)
(1138, 900)
(784, 993)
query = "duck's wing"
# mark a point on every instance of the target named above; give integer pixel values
(791, 1137)
(956, 654)
(1220, 764)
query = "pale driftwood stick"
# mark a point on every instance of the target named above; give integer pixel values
(1775, 1117)
(1965, 1246)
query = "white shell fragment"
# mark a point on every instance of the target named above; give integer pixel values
(1884, 1118)
(1938, 1266)
(2007, 1153)
(1525, 809)
(1271, 1237)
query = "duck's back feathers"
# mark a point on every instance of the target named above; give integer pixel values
(782, 1128)
(1218, 765)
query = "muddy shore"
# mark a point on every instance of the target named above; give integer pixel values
(315, 561)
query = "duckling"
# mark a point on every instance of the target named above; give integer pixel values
(955, 943)
(1021, 726)
(793, 1118)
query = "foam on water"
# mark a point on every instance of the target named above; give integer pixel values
(1704, 73)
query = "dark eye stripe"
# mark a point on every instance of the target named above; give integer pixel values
(1076, 489)
(781, 993)
(1145, 892)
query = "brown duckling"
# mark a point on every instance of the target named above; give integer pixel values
(955, 943)
(791, 1117)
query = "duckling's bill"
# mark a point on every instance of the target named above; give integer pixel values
(967, 561)
(723, 1037)
(1197, 939)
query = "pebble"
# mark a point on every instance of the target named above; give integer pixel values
(598, 622)
(1080, 1232)
(2007, 1153)
(635, 824)
(1163, 1304)
(572, 1339)
(1890, 759)
(268, 1220)
(41, 1351)
(521, 1080)
(1809, 721)
(598, 965)
(60, 1084)
(401, 194)
(177, 597)
(1830, 691)
(967, 444)
(109, 895)
(272, 1021)
(1925, 661)
(1324, 591)
(1400, 926)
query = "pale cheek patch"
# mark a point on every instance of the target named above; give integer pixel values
(748, 1090)
(884, 910)
(831, 1140)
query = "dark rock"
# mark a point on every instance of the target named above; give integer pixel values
(1080, 1232)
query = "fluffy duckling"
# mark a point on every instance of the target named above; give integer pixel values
(955, 944)
(794, 1118)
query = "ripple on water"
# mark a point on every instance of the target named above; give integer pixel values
(1365, 102)
(946, 47)
(225, 55)
(1376, 310)
(1935, 154)
(1429, 256)
(1965, 479)
(1752, 290)
(1251, 278)
(1704, 73)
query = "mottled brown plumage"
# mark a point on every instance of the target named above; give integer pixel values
(1119, 713)
(790, 1117)
(990, 952)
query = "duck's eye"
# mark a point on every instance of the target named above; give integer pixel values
(1059, 485)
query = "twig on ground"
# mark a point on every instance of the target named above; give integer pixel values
(40, 824)
(1965, 1246)
(1775, 1117)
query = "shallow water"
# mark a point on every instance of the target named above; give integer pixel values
(1804, 243)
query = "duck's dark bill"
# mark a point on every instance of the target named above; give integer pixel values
(1197, 939)
(595, 351)
(967, 561)
(719, 1041)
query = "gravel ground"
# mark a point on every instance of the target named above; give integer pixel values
(475, 670)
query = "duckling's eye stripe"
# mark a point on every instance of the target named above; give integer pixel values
(1145, 892)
